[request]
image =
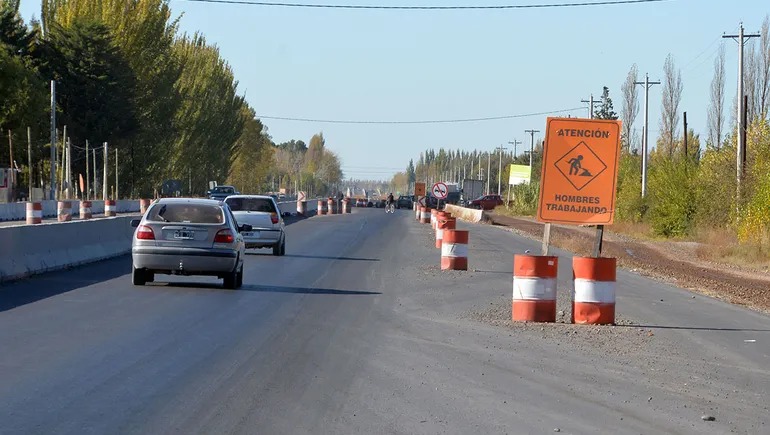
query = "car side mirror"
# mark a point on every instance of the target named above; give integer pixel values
(244, 227)
(135, 222)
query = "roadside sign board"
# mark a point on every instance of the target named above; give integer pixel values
(421, 201)
(301, 195)
(519, 174)
(439, 190)
(579, 171)
(419, 189)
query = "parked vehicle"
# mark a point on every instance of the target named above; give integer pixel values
(486, 202)
(222, 192)
(404, 201)
(261, 212)
(188, 236)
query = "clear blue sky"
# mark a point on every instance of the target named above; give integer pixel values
(416, 65)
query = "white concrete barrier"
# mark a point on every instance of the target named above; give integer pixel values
(466, 214)
(16, 211)
(26, 250)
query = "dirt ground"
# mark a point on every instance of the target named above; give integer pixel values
(673, 262)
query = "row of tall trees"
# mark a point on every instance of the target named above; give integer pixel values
(167, 102)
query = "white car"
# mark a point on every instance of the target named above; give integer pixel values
(263, 215)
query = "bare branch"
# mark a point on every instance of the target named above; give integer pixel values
(671, 98)
(630, 108)
(716, 118)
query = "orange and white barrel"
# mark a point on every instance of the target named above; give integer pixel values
(331, 206)
(110, 208)
(417, 211)
(345, 206)
(433, 213)
(424, 215)
(534, 288)
(593, 294)
(85, 210)
(64, 211)
(454, 250)
(322, 208)
(144, 204)
(444, 223)
(34, 213)
(301, 208)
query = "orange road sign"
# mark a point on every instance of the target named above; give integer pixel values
(419, 189)
(579, 171)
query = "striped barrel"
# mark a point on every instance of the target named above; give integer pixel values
(34, 213)
(454, 250)
(593, 295)
(417, 211)
(301, 208)
(444, 223)
(321, 207)
(534, 288)
(424, 215)
(85, 210)
(433, 213)
(345, 206)
(144, 204)
(64, 211)
(110, 208)
(331, 206)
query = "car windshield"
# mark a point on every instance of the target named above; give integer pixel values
(251, 204)
(223, 189)
(186, 213)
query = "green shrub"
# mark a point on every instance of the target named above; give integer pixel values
(629, 204)
(524, 198)
(671, 196)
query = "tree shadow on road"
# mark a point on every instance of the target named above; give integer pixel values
(265, 289)
(17, 293)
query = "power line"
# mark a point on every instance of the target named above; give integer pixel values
(439, 121)
(383, 7)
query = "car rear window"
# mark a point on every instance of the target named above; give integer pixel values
(251, 204)
(224, 190)
(186, 213)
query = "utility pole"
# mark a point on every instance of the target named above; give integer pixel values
(686, 154)
(53, 140)
(647, 84)
(591, 103)
(740, 156)
(531, 147)
(116, 173)
(500, 169)
(104, 174)
(62, 161)
(489, 170)
(514, 143)
(88, 181)
(69, 168)
(96, 176)
(29, 160)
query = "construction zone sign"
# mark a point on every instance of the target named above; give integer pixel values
(580, 171)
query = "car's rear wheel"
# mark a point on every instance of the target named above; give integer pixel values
(138, 276)
(230, 280)
(283, 247)
(239, 279)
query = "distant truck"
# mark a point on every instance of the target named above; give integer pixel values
(471, 190)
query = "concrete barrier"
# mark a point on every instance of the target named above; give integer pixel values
(33, 249)
(467, 214)
(17, 211)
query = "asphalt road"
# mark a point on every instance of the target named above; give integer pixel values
(357, 331)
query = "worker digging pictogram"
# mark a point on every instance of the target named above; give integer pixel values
(580, 165)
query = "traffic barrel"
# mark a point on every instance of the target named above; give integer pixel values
(85, 210)
(110, 208)
(424, 215)
(593, 295)
(144, 204)
(322, 208)
(301, 208)
(534, 288)
(444, 223)
(64, 211)
(34, 212)
(345, 206)
(433, 213)
(454, 250)
(332, 206)
(417, 211)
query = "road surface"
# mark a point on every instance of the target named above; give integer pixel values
(357, 331)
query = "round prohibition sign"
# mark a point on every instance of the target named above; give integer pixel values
(440, 190)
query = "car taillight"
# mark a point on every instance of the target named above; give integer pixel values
(274, 218)
(224, 236)
(143, 232)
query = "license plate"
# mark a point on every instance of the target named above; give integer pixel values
(184, 235)
(251, 234)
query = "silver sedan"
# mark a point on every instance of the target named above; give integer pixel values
(188, 236)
